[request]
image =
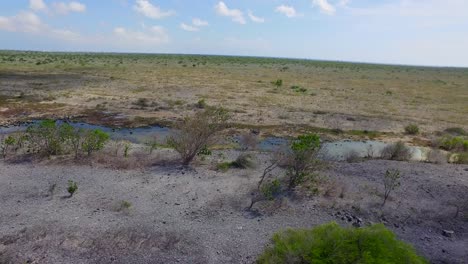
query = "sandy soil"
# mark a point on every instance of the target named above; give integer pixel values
(183, 215)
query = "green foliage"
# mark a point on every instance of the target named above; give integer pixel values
(412, 129)
(302, 160)
(271, 190)
(151, 145)
(7, 144)
(205, 151)
(47, 137)
(223, 166)
(278, 83)
(201, 104)
(451, 143)
(298, 89)
(94, 140)
(127, 149)
(330, 243)
(126, 204)
(72, 187)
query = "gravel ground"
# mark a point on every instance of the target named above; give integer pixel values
(181, 215)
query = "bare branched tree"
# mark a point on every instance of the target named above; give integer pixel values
(391, 182)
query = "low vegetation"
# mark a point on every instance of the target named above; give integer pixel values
(198, 132)
(391, 181)
(412, 129)
(397, 151)
(301, 162)
(72, 188)
(330, 243)
(50, 138)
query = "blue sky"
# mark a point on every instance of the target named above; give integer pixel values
(418, 32)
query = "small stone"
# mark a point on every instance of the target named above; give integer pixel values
(448, 233)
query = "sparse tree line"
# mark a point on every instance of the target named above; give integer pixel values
(49, 138)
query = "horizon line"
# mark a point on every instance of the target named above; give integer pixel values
(242, 56)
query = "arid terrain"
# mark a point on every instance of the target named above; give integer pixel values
(146, 89)
(136, 203)
(181, 215)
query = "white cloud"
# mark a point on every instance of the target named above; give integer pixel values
(149, 10)
(37, 5)
(28, 22)
(155, 35)
(255, 18)
(199, 23)
(24, 21)
(288, 11)
(65, 8)
(326, 7)
(188, 27)
(235, 14)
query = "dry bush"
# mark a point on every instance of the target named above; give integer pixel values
(248, 141)
(353, 157)
(397, 151)
(334, 189)
(197, 132)
(244, 161)
(436, 156)
(137, 160)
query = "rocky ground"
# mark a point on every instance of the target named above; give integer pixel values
(197, 215)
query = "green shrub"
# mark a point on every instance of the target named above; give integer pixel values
(205, 151)
(72, 187)
(6, 145)
(451, 143)
(47, 137)
(412, 129)
(94, 140)
(271, 190)
(330, 243)
(278, 83)
(223, 166)
(201, 104)
(301, 160)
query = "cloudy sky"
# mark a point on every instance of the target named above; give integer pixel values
(418, 32)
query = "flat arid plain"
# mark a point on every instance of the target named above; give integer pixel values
(95, 164)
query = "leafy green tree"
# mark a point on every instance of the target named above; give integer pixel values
(302, 159)
(46, 137)
(331, 243)
(94, 140)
